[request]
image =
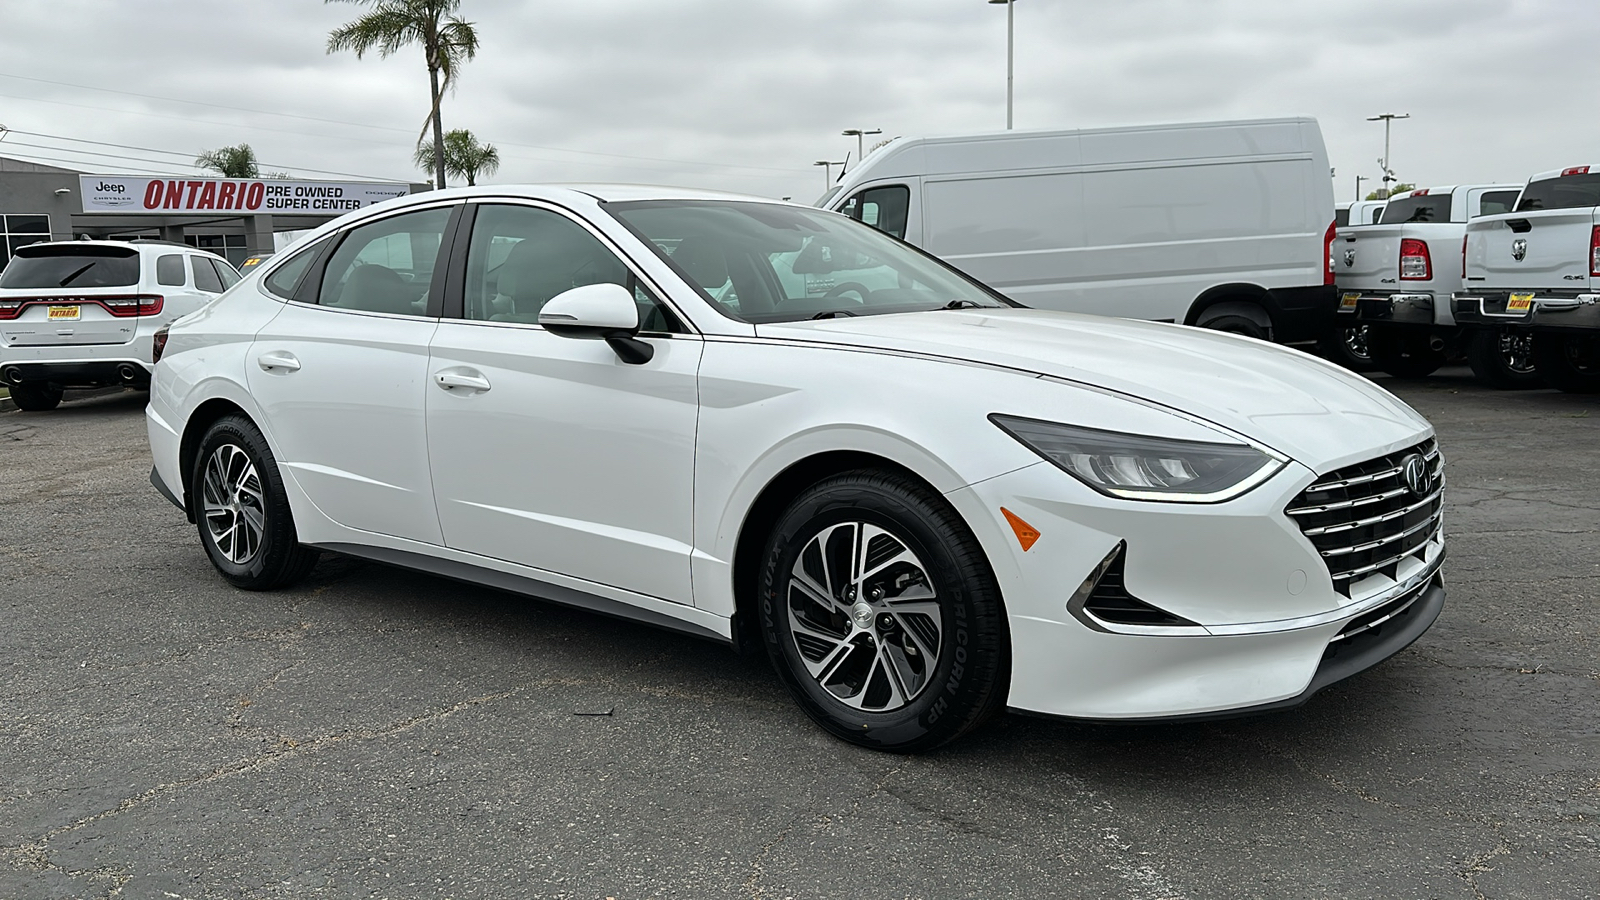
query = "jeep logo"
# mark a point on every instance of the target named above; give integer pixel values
(118, 188)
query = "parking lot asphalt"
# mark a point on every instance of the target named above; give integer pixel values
(378, 733)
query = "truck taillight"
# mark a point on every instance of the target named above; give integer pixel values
(158, 344)
(1327, 252)
(1414, 262)
(1594, 252)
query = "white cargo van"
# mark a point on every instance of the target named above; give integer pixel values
(1221, 224)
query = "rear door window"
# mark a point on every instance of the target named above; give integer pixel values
(169, 270)
(205, 277)
(884, 208)
(72, 265)
(1426, 208)
(1568, 192)
(386, 266)
(286, 277)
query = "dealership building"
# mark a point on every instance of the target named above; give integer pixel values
(233, 217)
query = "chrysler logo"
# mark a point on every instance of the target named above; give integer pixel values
(1414, 472)
(1519, 249)
(1349, 258)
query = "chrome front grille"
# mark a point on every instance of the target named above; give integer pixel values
(1366, 519)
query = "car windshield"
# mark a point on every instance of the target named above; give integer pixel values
(760, 262)
(71, 266)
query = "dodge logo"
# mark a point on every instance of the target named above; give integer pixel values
(1416, 475)
(1519, 249)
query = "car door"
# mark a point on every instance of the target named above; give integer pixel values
(340, 374)
(551, 451)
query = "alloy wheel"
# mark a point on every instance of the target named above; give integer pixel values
(1517, 351)
(233, 505)
(1355, 343)
(864, 616)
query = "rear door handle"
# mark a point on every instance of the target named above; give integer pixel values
(278, 359)
(470, 379)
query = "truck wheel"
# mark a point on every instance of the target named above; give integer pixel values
(1570, 362)
(1503, 359)
(1347, 346)
(1405, 352)
(36, 396)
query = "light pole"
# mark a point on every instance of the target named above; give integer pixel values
(1011, 57)
(1387, 119)
(827, 171)
(1359, 179)
(858, 133)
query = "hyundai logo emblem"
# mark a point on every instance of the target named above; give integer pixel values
(1349, 258)
(1416, 475)
(1519, 249)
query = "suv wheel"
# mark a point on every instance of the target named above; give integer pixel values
(882, 615)
(36, 396)
(1503, 359)
(242, 511)
(1405, 352)
(1570, 362)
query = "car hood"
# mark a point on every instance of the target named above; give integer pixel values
(1305, 408)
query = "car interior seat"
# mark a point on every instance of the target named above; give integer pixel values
(376, 288)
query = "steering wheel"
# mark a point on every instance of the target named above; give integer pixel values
(840, 290)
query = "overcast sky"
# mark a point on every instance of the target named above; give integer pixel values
(744, 95)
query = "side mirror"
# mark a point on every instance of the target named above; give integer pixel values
(603, 311)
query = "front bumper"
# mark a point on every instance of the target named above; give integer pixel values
(1399, 308)
(1492, 309)
(1263, 620)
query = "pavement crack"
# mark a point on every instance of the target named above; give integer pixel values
(1479, 864)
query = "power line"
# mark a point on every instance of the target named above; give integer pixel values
(59, 137)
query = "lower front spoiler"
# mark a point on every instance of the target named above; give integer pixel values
(1343, 659)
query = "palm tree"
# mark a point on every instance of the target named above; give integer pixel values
(231, 162)
(464, 157)
(447, 42)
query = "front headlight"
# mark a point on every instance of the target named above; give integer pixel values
(1137, 467)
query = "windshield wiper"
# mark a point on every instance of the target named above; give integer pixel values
(962, 303)
(70, 278)
(833, 314)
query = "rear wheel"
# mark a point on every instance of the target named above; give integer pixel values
(881, 613)
(36, 396)
(1229, 317)
(242, 510)
(1570, 362)
(1347, 346)
(1406, 352)
(1503, 359)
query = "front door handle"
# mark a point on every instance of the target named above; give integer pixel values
(278, 359)
(470, 379)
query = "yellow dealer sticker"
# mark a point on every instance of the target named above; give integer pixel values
(69, 313)
(1348, 301)
(1519, 303)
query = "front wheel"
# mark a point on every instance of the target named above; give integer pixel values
(1405, 352)
(881, 613)
(1503, 359)
(242, 510)
(36, 396)
(1570, 362)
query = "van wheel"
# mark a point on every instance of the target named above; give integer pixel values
(36, 396)
(1236, 325)
(242, 510)
(1406, 352)
(1570, 362)
(881, 614)
(1347, 346)
(1503, 359)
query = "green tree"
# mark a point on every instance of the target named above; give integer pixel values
(1400, 188)
(230, 162)
(447, 42)
(464, 157)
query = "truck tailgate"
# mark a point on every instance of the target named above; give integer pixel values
(1367, 258)
(1536, 249)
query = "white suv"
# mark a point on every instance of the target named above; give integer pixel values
(82, 313)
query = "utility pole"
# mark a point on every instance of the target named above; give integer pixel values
(1011, 55)
(860, 144)
(827, 171)
(1387, 119)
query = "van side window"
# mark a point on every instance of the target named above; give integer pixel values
(884, 208)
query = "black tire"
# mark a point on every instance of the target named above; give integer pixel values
(1236, 325)
(1570, 362)
(1346, 345)
(275, 558)
(36, 396)
(970, 672)
(1405, 352)
(1503, 359)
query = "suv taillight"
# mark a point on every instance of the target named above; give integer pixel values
(158, 344)
(1594, 252)
(139, 305)
(1414, 262)
(1327, 252)
(10, 309)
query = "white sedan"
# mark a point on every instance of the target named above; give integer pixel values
(778, 428)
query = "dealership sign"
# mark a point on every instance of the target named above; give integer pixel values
(249, 196)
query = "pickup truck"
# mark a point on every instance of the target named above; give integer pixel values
(1397, 278)
(1535, 272)
(1346, 344)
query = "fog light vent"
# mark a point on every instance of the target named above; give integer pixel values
(1104, 596)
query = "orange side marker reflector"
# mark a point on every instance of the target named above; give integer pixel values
(1026, 534)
